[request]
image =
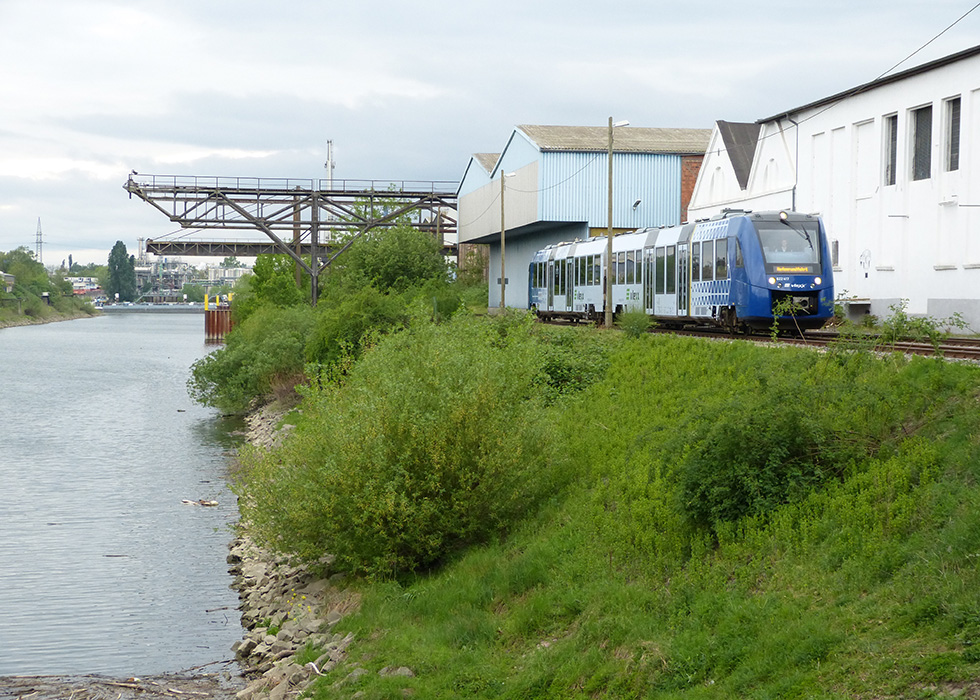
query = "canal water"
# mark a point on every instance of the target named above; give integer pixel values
(103, 569)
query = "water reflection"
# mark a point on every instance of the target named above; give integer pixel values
(103, 569)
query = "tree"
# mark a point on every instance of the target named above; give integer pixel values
(396, 258)
(122, 274)
(232, 261)
(193, 292)
(29, 273)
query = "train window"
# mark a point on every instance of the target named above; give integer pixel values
(580, 271)
(707, 260)
(797, 242)
(671, 270)
(721, 259)
(597, 269)
(556, 283)
(661, 259)
(739, 260)
(630, 267)
(696, 262)
(620, 267)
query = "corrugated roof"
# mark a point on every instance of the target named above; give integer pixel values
(626, 139)
(487, 160)
(840, 96)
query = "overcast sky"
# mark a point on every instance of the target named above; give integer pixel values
(90, 90)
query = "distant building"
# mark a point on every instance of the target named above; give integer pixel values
(162, 280)
(556, 189)
(85, 286)
(219, 276)
(8, 282)
(893, 166)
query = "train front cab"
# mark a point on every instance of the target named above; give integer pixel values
(785, 266)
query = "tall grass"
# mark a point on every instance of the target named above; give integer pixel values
(846, 567)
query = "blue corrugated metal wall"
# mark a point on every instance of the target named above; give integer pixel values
(574, 188)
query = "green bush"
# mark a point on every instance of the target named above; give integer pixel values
(434, 441)
(900, 325)
(396, 259)
(262, 355)
(751, 457)
(344, 328)
(634, 322)
(440, 299)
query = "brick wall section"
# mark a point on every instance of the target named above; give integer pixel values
(690, 167)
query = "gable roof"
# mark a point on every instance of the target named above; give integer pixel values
(486, 160)
(627, 139)
(895, 77)
(740, 140)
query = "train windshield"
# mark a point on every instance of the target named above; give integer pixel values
(793, 243)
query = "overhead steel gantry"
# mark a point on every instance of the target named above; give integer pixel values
(311, 213)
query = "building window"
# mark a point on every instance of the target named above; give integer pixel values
(922, 143)
(953, 134)
(891, 147)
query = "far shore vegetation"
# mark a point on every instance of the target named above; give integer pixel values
(539, 512)
(37, 295)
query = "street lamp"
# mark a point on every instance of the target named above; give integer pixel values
(609, 231)
(503, 277)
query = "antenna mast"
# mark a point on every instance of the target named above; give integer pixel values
(329, 165)
(38, 242)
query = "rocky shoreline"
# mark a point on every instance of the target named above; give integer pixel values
(289, 610)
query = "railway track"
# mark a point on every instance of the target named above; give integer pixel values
(954, 347)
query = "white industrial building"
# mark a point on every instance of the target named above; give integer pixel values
(893, 166)
(555, 188)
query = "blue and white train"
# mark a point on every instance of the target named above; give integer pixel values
(730, 271)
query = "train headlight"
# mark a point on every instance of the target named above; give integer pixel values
(817, 280)
(772, 280)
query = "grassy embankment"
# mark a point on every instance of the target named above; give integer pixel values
(10, 318)
(570, 514)
(37, 295)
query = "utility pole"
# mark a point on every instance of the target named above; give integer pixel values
(503, 274)
(610, 265)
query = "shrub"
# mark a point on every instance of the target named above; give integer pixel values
(344, 328)
(440, 299)
(751, 458)
(261, 356)
(396, 259)
(434, 441)
(634, 322)
(900, 325)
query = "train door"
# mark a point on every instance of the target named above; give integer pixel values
(569, 283)
(558, 288)
(648, 279)
(551, 285)
(683, 285)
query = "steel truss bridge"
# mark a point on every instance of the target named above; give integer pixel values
(312, 221)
